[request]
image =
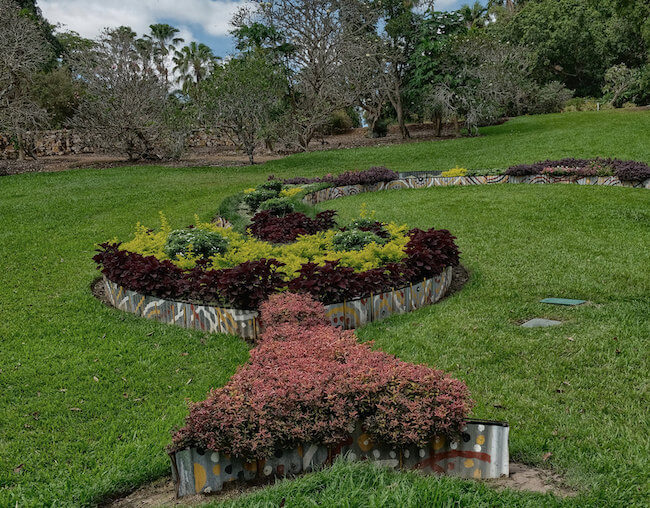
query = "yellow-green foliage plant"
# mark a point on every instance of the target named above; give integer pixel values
(457, 171)
(290, 192)
(317, 248)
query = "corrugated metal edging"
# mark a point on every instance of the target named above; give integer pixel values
(481, 451)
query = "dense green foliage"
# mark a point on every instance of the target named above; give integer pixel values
(90, 393)
(576, 41)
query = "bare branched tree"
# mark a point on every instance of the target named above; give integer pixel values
(23, 52)
(313, 29)
(126, 107)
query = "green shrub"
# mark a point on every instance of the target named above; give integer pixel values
(202, 243)
(278, 206)
(272, 185)
(362, 223)
(338, 123)
(355, 239)
(258, 196)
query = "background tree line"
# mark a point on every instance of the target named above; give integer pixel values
(304, 68)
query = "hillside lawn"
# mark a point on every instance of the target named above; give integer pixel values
(89, 395)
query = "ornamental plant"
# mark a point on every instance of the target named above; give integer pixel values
(196, 242)
(279, 207)
(457, 171)
(355, 239)
(629, 171)
(248, 272)
(291, 192)
(254, 199)
(367, 177)
(270, 228)
(343, 384)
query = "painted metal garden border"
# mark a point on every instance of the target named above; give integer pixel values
(480, 452)
(425, 181)
(348, 314)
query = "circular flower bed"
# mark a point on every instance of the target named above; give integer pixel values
(279, 249)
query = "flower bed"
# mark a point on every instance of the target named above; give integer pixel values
(351, 399)
(282, 249)
(625, 171)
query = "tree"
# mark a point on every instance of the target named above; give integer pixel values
(485, 79)
(474, 16)
(620, 84)
(194, 63)
(245, 100)
(311, 35)
(126, 108)
(576, 41)
(23, 52)
(430, 66)
(164, 39)
(399, 22)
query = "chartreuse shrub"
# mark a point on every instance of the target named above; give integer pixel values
(291, 192)
(342, 384)
(230, 248)
(457, 171)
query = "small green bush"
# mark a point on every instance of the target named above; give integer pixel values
(362, 223)
(202, 243)
(278, 206)
(355, 239)
(258, 196)
(272, 185)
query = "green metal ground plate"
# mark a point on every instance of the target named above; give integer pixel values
(563, 301)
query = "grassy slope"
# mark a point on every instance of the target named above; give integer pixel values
(521, 243)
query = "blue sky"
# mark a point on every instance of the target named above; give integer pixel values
(205, 21)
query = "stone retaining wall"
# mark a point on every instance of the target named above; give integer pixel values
(68, 142)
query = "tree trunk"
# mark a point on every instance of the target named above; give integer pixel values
(399, 110)
(456, 127)
(437, 121)
(21, 146)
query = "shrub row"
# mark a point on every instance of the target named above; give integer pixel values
(341, 384)
(629, 171)
(245, 286)
(367, 177)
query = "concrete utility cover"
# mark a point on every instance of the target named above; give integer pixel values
(563, 301)
(540, 322)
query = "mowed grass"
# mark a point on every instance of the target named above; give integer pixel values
(89, 395)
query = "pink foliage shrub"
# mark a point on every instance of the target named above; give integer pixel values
(293, 309)
(310, 382)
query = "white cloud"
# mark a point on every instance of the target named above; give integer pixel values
(89, 17)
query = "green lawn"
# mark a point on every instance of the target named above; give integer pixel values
(89, 395)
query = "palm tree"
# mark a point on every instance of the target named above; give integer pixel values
(473, 16)
(193, 62)
(145, 50)
(163, 37)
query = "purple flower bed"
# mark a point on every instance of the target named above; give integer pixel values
(624, 170)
